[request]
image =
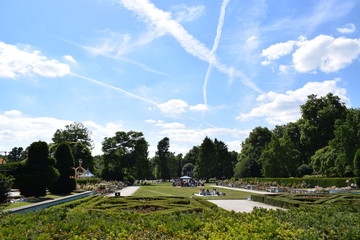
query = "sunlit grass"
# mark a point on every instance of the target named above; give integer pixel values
(166, 189)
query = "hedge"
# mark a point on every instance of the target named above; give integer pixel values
(88, 180)
(297, 182)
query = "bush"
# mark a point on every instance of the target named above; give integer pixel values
(5, 187)
(38, 173)
(65, 164)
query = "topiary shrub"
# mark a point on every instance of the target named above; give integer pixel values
(38, 172)
(5, 187)
(65, 165)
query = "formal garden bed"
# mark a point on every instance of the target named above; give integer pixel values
(99, 217)
(297, 200)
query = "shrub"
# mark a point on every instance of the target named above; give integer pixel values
(5, 187)
(65, 164)
(38, 172)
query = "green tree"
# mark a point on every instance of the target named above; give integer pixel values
(279, 158)
(318, 118)
(142, 165)
(65, 164)
(5, 186)
(16, 154)
(205, 166)
(188, 170)
(323, 161)
(346, 142)
(191, 156)
(224, 168)
(122, 153)
(248, 160)
(162, 159)
(38, 173)
(75, 132)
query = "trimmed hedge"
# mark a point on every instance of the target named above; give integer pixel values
(88, 180)
(297, 182)
(297, 200)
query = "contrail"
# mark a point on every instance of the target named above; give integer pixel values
(131, 95)
(213, 50)
(164, 22)
(115, 88)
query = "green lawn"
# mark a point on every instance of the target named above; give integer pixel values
(166, 189)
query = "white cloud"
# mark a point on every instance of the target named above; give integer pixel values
(15, 62)
(187, 14)
(162, 124)
(199, 107)
(278, 50)
(173, 107)
(324, 52)
(280, 108)
(197, 135)
(19, 130)
(70, 58)
(348, 28)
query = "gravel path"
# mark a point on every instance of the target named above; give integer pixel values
(241, 205)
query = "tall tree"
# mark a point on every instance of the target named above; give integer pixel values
(248, 160)
(65, 164)
(224, 169)
(162, 159)
(279, 158)
(122, 152)
(38, 172)
(16, 154)
(346, 142)
(191, 156)
(319, 116)
(206, 166)
(75, 132)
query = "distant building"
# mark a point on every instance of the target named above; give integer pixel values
(2, 161)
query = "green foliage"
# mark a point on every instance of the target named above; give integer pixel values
(95, 218)
(357, 163)
(88, 180)
(75, 132)
(65, 165)
(38, 173)
(248, 160)
(5, 187)
(310, 182)
(319, 116)
(124, 153)
(162, 159)
(297, 200)
(16, 154)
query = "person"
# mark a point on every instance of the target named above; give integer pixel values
(207, 192)
(215, 192)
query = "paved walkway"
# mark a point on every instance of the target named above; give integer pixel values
(241, 205)
(242, 189)
(125, 192)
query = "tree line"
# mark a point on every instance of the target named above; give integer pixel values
(325, 140)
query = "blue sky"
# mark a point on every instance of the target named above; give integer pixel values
(177, 69)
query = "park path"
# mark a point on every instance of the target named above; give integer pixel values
(125, 192)
(230, 205)
(242, 189)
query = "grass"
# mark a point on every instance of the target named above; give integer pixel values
(166, 189)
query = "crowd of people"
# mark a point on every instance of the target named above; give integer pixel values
(202, 192)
